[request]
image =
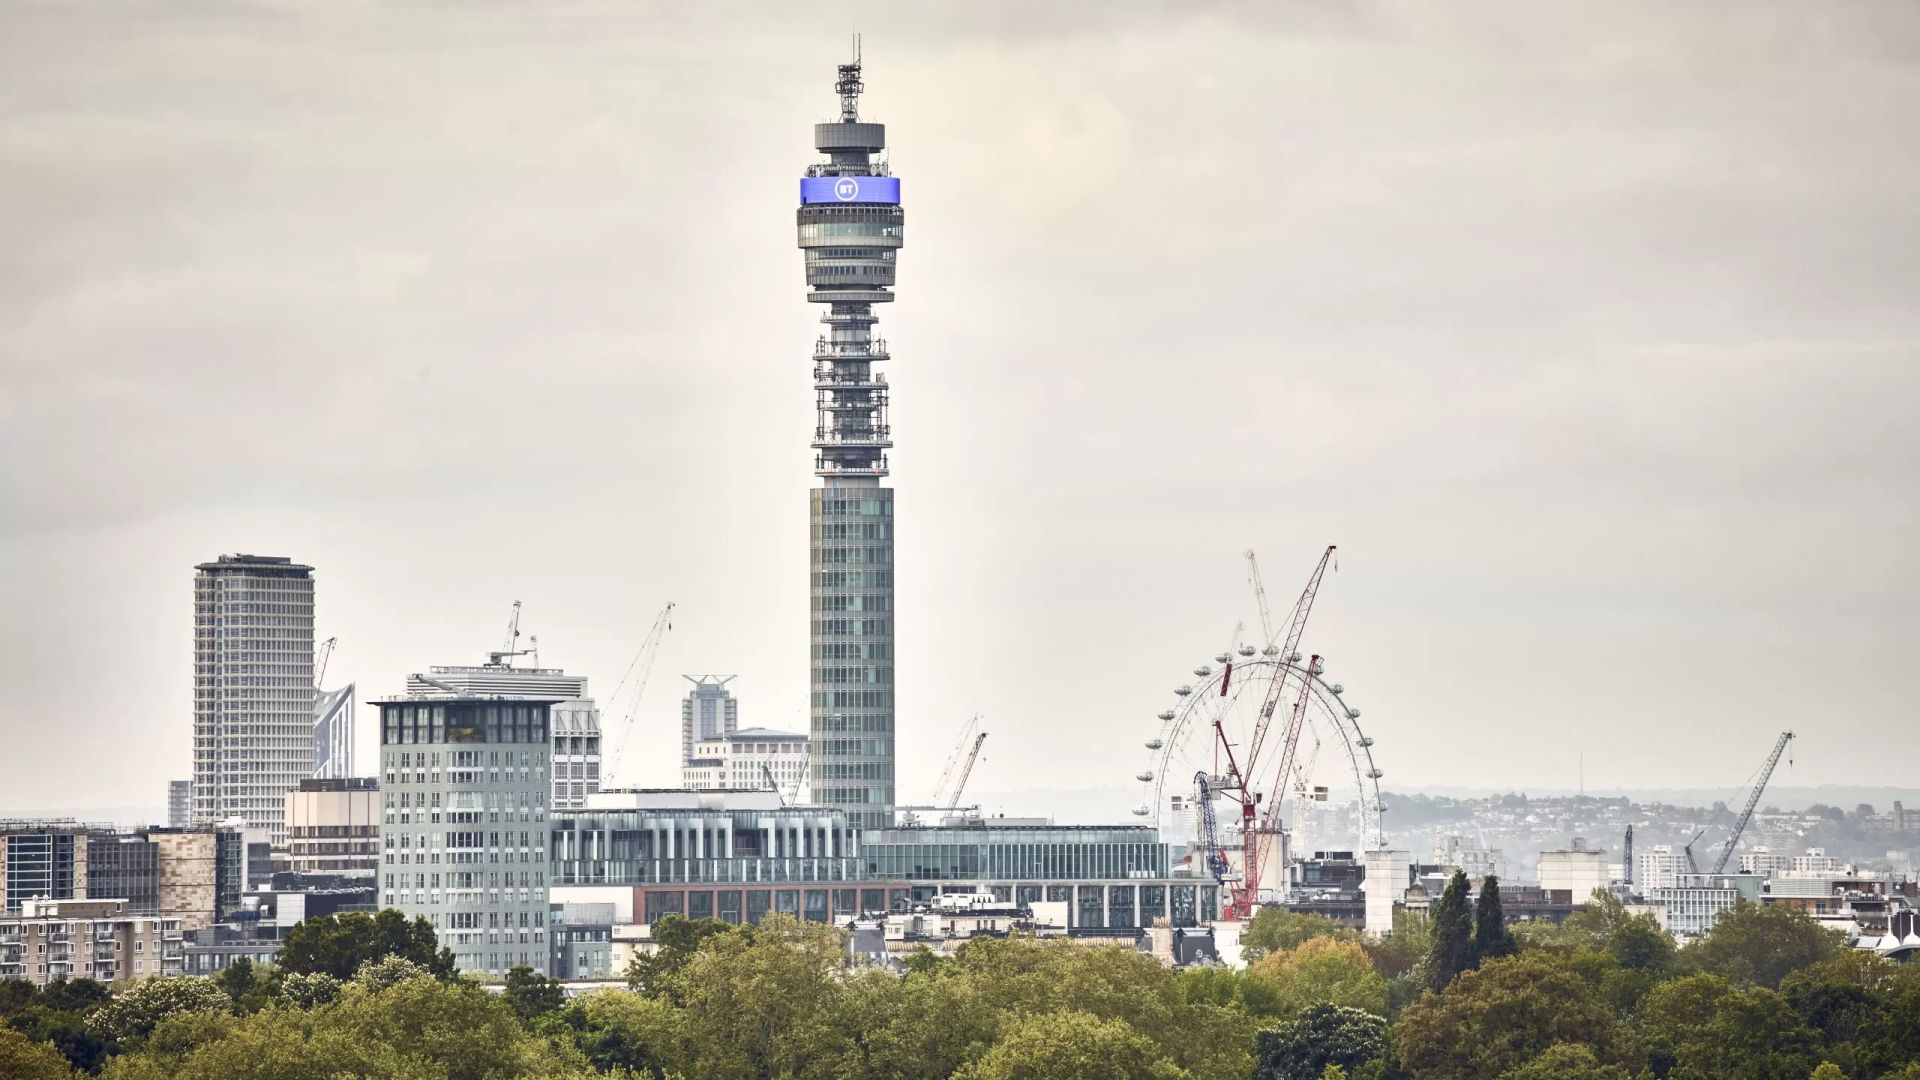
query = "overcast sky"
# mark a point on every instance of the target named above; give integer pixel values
(1590, 333)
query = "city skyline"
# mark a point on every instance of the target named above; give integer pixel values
(1625, 487)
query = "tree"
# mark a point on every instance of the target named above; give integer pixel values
(1452, 950)
(1567, 1061)
(761, 1004)
(1762, 945)
(1500, 1017)
(23, 1059)
(532, 995)
(1251, 993)
(618, 1030)
(1490, 937)
(251, 988)
(132, 1015)
(1701, 1027)
(1322, 1037)
(389, 971)
(1403, 949)
(338, 945)
(1828, 1070)
(1273, 929)
(1324, 970)
(675, 941)
(307, 991)
(1071, 1045)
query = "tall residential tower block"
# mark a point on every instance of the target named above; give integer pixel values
(253, 693)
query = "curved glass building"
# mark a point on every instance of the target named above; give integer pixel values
(851, 228)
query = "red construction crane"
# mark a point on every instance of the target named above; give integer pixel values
(1243, 898)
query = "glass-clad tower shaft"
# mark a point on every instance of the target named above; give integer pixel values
(850, 229)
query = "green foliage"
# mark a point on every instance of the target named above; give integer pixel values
(616, 1030)
(1324, 971)
(130, 1017)
(22, 1058)
(532, 995)
(1403, 949)
(1499, 1018)
(1451, 951)
(389, 971)
(1700, 1027)
(675, 941)
(1567, 1061)
(1827, 1071)
(1072, 1045)
(1324, 1037)
(1490, 938)
(1255, 995)
(304, 991)
(1760, 945)
(1275, 929)
(338, 945)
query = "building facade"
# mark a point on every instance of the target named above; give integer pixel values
(747, 758)
(333, 826)
(87, 939)
(574, 719)
(708, 712)
(851, 229)
(333, 733)
(253, 694)
(1575, 870)
(43, 860)
(464, 829)
(179, 804)
(1692, 903)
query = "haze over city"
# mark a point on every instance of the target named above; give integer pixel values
(1590, 340)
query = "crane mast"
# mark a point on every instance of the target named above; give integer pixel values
(320, 664)
(953, 758)
(1753, 800)
(1216, 859)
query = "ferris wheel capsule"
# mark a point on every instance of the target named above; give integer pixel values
(1221, 658)
(1293, 657)
(1139, 811)
(1145, 776)
(1183, 691)
(1353, 714)
(1165, 715)
(1203, 671)
(1337, 689)
(1154, 744)
(1246, 650)
(1271, 650)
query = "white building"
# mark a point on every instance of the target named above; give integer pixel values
(707, 712)
(1579, 872)
(333, 733)
(1658, 868)
(179, 804)
(575, 718)
(1694, 902)
(253, 690)
(745, 757)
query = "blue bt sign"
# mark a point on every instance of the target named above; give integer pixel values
(850, 189)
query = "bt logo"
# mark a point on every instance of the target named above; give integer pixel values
(846, 189)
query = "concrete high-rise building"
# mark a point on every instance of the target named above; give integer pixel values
(333, 734)
(463, 837)
(253, 693)
(851, 226)
(709, 711)
(179, 804)
(575, 718)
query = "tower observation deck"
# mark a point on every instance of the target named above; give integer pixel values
(851, 228)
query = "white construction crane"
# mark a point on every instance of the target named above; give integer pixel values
(503, 657)
(648, 652)
(953, 758)
(320, 662)
(1753, 800)
(960, 785)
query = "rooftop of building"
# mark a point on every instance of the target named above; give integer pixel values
(242, 563)
(761, 733)
(344, 783)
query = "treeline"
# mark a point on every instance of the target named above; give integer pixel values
(1462, 995)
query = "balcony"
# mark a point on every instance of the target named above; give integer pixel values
(827, 377)
(872, 350)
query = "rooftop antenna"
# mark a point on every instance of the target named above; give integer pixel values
(849, 86)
